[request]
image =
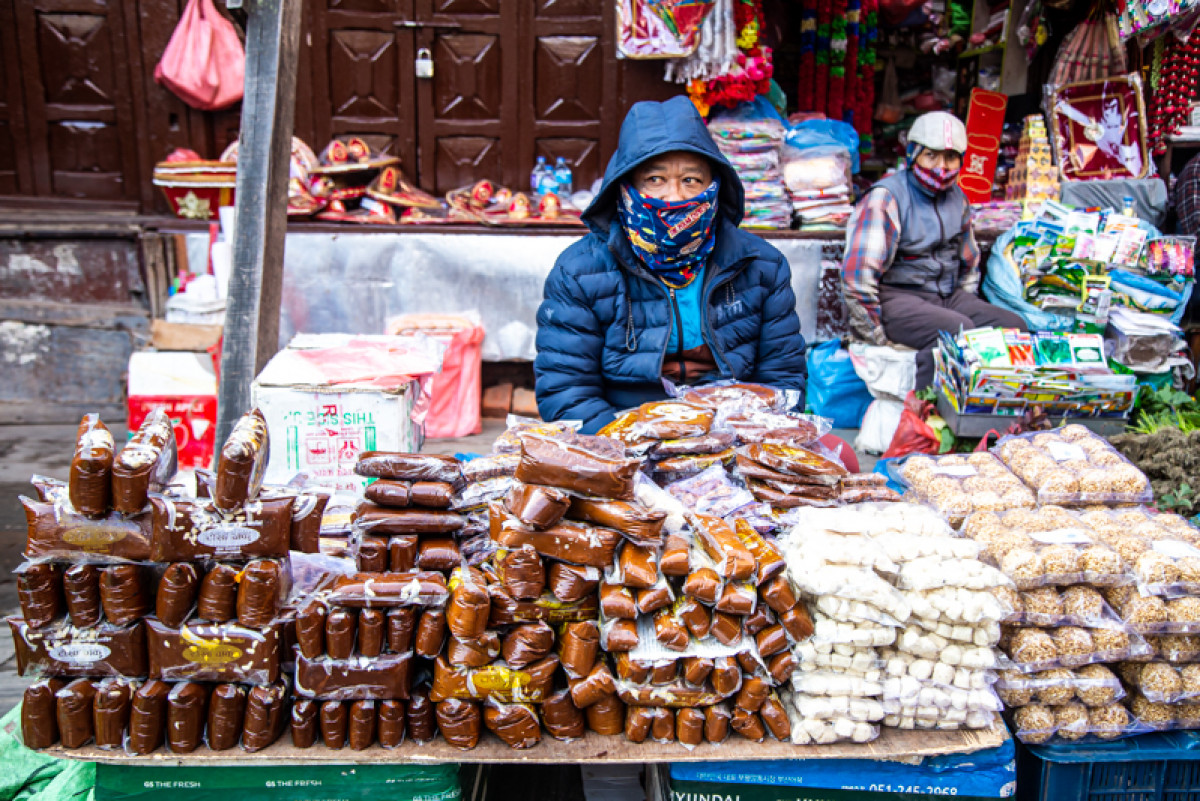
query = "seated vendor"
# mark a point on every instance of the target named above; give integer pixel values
(911, 267)
(666, 286)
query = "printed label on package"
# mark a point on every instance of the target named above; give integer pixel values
(1176, 549)
(1062, 536)
(228, 538)
(956, 470)
(80, 653)
(1066, 452)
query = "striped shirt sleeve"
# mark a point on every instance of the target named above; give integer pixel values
(871, 240)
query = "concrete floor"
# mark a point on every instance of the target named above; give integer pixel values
(27, 450)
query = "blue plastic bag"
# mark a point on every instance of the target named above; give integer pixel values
(834, 389)
(821, 133)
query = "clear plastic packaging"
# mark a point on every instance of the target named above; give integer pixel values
(817, 731)
(934, 572)
(902, 665)
(957, 485)
(1164, 683)
(1073, 466)
(1033, 649)
(1072, 722)
(1093, 686)
(1158, 716)
(925, 644)
(710, 492)
(957, 608)
(1080, 605)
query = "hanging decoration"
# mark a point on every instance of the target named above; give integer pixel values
(659, 28)
(717, 52)
(1178, 70)
(837, 62)
(751, 73)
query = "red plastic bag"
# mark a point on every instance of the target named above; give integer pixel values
(204, 63)
(456, 392)
(913, 435)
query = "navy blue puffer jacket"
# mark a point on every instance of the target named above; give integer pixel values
(605, 320)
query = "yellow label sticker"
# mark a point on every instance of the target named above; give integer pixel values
(211, 652)
(94, 537)
(496, 678)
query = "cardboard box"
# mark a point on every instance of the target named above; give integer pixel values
(186, 385)
(319, 427)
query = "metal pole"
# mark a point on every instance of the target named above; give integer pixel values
(255, 284)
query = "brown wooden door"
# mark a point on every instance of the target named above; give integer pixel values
(75, 82)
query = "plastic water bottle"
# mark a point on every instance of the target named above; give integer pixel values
(1129, 210)
(564, 178)
(547, 183)
(539, 169)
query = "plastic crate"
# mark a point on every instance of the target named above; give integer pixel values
(1152, 767)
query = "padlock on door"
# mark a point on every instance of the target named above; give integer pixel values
(424, 65)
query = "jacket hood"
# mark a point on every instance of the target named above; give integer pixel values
(651, 129)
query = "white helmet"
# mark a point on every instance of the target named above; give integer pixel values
(939, 130)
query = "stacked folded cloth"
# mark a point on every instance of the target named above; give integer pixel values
(818, 181)
(753, 147)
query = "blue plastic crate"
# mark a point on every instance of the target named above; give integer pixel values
(1152, 767)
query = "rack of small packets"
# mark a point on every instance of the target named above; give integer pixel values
(704, 579)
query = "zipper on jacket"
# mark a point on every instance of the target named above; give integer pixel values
(679, 331)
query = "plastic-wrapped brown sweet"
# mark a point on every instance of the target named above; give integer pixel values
(673, 419)
(265, 718)
(749, 664)
(578, 647)
(664, 672)
(737, 599)
(778, 594)
(475, 653)
(577, 466)
(421, 719)
(385, 492)
(675, 560)
(794, 461)
(177, 592)
(782, 666)
(190, 531)
(562, 719)
(81, 590)
(727, 629)
(242, 463)
(371, 624)
(438, 553)
(354, 679)
(636, 522)
(431, 632)
(333, 724)
(304, 722)
(528, 685)
(748, 724)
(146, 463)
(694, 463)
(619, 635)
(638, 566)
(310, 629)
(74, 713)
(657, 597)
(522, 573)
(567, 541)
(617, 602)
(537, 507)
(629, 669)
(797, 622)
(689, 727)
(771, 640)
(467, 611)
(186, 706)
(460, 722)
(775, 717)
(793, 496)
(401, 627)
(606, 716)
(769, 561)
(718, 540)
(726, 676)
(507, 610)
(40, 592)
(341, 629)
(391, 723)
(54, 530)
(528, 642)
(596, 685)
(217, 601)
(716, 723)
(381, 521)
(308, 512)
(638, 720)
(662, 729)
(431, 494)
(63, 650)
(670, 631)
(226, 716)
(373, 555)
(123, 594)
(39, 714)
(408, 466)
(223, 652)
(696, 670)
(402, 553)
(710, 443)
(675, 695)
(147, 717)
(383, 590)
(757, 620)
(362, 725)
(704, 585)
(571, 583)
(754, 691)
(515, 724)
(90, 479)
(258, 593)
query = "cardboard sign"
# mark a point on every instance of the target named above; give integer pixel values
(985, 124)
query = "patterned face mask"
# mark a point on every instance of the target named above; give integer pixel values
(673, 239)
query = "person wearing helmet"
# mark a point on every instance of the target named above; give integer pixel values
(911, 267)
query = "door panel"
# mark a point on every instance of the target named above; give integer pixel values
(568, 76)
(466, 83)
(364, 76)
(461, 160)
(12, 112)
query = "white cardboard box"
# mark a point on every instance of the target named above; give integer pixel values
(319, 429)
